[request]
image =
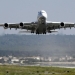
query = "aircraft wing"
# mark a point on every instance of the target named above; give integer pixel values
(26, 25)
(58, 25)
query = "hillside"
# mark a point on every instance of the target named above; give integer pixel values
(33, 45)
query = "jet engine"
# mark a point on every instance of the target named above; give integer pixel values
(62, 24)
(21, 25)
(6, 25)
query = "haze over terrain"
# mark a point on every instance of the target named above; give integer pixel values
(37, 45)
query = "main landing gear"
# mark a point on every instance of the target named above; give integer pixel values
(37, 32)
(44, 32)
(32, 31)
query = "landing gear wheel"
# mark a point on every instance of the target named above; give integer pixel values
(37, 32)
(44, 32)
(32, 31)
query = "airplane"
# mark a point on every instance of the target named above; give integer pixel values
(41, 26)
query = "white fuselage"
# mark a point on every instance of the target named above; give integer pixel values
(42, 13)
(41, 18)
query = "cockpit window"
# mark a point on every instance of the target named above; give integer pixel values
(40, 13)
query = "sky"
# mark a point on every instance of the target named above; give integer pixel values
(16, 11)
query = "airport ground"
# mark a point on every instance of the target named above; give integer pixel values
(34, 70)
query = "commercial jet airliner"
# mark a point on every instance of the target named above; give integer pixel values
(41, 26)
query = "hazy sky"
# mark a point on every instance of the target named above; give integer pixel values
(13, 11)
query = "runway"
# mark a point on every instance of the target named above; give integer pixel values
(56, 64)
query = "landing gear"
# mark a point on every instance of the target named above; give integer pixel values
(40, 32)
(44, 31)
(49, 31)
(32, 31)
(37, 31)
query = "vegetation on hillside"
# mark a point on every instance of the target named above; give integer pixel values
(34, 45)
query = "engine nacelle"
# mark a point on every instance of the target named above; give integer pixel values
(21, 25)
(62, 24)
(6, 25)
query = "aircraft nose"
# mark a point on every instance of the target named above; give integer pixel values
(44, 15)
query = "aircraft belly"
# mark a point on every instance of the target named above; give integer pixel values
(41, 27)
